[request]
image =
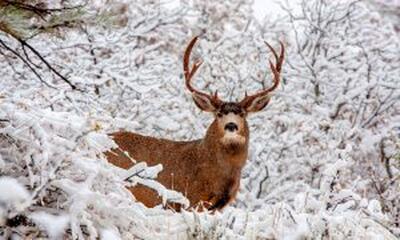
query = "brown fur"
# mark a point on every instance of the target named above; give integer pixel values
(206, 171)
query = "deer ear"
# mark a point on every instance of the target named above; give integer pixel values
(258, 103)
(203, 102)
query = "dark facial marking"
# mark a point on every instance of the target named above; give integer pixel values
(230, 107)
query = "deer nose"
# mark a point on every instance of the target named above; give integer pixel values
(231, 127)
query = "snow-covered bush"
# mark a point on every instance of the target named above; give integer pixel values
(324, 155)
(340, 101)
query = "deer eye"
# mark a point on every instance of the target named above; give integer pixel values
(219, 115)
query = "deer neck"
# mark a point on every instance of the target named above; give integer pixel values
(226, 154)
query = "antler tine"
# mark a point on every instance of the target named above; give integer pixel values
(186, 59)
(273, 51)
(189, 73)
(276, 70)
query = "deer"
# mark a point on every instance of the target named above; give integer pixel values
(207, 170)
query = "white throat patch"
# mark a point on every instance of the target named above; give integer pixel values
(233, 138)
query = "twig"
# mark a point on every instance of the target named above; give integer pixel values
(26, 63)
(28, 58)
(40, 10)
(134, 174)
(24, 43)
(385, 159)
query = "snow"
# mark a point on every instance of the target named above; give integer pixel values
(52, 224)
(269, 8)
(14, 198)
(109, 234)
(320, 153)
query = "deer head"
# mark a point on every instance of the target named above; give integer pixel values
(207, 169)
(230, 117)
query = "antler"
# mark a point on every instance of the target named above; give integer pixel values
(189, 73)
(276, 70)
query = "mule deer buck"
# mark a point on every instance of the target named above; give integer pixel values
(207, 171)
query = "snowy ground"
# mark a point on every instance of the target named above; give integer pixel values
(324, 157)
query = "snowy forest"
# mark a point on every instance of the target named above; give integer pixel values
(324, 155)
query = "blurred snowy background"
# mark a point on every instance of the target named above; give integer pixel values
(324, 156)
